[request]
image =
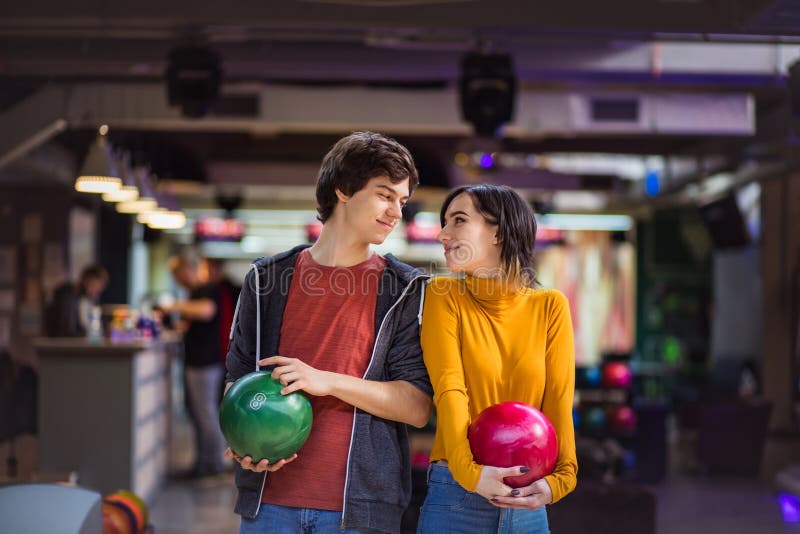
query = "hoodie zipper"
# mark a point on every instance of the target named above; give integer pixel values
(366, 372)
(258, 357)
(258, 353)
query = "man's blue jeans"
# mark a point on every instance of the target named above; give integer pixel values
(450, 508)
(274, 519)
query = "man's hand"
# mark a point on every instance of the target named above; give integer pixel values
(297, 375)
(531, 497)
(260, 467)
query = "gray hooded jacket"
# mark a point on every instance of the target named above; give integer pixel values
(378, 481)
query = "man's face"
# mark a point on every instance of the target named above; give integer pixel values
(185, 276)
(371, 213)
(209, 272)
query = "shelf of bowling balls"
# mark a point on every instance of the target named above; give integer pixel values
(613, 420)
(609, 375)
(607, 395)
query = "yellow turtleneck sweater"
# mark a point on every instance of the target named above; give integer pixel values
(485, 343)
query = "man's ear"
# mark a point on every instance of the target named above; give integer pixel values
(341, 196)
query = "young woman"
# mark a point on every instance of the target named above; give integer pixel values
(491, 337)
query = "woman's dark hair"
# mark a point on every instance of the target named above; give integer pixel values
(93, 272)
(357, 158)
(516, 226)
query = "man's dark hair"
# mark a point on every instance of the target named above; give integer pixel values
(356, 159)
(516, 226)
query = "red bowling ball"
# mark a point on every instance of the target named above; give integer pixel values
(509, 434)
(617, 375)
(623, 419)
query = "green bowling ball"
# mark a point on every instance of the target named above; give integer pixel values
(258, 421)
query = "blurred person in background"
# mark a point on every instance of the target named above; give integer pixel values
(203, 373)
(69, 310)
(226, 293)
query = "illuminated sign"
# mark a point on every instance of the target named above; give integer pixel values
(218, 229)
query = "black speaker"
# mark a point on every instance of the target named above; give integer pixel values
(194, 76)
(725, 223)
(229, 202)
(488, 87)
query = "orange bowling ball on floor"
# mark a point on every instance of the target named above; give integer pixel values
(131, 507)
(139, 502)
(115, 520)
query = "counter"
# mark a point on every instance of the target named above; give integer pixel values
(104, 412)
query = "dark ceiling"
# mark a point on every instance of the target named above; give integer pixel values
(402, 43)
(354, 40)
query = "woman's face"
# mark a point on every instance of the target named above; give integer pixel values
(470, 242)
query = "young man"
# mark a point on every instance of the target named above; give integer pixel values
(341, 324)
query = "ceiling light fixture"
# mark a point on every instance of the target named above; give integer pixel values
(147, 199)
(100, 172)
(128, 191)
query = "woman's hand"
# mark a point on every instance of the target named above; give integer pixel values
(491, 485)
(531, 497)
(264, 465)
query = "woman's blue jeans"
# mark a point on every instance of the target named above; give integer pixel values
(450, 508)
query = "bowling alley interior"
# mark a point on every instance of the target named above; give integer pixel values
(656, 141)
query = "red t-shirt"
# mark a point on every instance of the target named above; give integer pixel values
(329, 323)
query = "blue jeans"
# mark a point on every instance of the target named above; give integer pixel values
(450, 508)
(274, 519)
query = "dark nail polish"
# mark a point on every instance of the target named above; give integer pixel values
(493, 499)
(515, 492)
(524, 469)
